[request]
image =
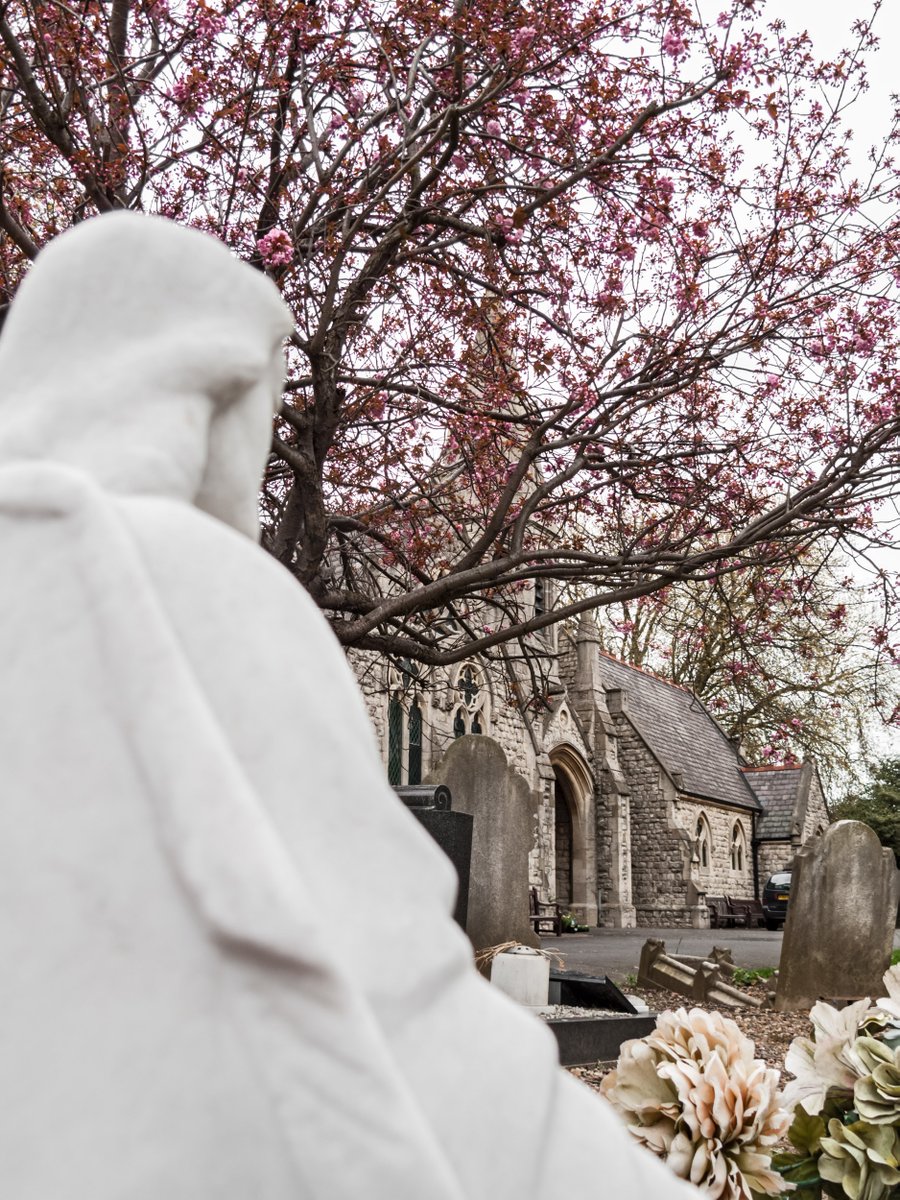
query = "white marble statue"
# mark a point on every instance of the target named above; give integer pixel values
(228, 966)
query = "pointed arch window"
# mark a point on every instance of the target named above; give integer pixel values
(414, 750)
(540, 597)
(703, 835)
(395, 739)
(738, 847)
(405, 725)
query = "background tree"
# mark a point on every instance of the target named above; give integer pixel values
(785, 662)
(583, 291)
(877, 803)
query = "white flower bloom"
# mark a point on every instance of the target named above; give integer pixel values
(828, 1060)
(693, 1092)
(891, 1002)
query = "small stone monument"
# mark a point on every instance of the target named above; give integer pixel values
(840, 924)
(505, 809)
(524, 974)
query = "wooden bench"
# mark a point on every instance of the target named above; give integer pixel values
(541, 913)
(720, 912)
(747, 912)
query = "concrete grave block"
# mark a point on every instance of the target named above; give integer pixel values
(523, 974)
(840, 924)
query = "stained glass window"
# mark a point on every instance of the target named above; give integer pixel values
(414, 753)
(459, 724)
(476, 723)
(395, 740)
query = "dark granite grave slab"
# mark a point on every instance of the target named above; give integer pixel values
(586, 1040)
(453, 833)
(587, 991)
(431, 805)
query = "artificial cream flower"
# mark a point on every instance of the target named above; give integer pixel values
(693, 1092)
(877, 1096)
(827, 1060)
(862, 1158)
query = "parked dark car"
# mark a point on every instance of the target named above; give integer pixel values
(775, 898)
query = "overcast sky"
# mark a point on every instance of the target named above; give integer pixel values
(829, 24)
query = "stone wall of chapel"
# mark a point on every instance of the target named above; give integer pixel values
(718, 878)
(816, 813)
(779, 856)
(773, 857)
(439, 701)
(659, 873)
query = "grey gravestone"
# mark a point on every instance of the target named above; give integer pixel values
(840, 925)
(504, 809)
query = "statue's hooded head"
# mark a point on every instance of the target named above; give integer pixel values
(148, 356)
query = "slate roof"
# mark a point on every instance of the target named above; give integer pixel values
(777, 789)
(681, 734)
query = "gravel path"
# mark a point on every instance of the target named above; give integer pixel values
(771, 1032)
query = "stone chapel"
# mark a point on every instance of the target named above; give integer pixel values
(640, 805)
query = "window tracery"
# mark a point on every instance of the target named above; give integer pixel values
(472, 701)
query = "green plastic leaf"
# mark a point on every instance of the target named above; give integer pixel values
(807, 1131)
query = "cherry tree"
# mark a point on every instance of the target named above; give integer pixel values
(585, 292)
(788, 663)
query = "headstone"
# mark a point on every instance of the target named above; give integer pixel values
(840, 924)
(505, 810)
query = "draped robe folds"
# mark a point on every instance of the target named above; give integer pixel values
(200, 994)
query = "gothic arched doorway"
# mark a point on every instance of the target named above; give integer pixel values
(563, 825)
(575, 864)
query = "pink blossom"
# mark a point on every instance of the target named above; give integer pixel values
(674, 44)
(459, 162)
(493, 128)
(522, 39)
(209, 23)
(276, 247)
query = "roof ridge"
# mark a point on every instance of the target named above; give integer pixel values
(776, 767)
